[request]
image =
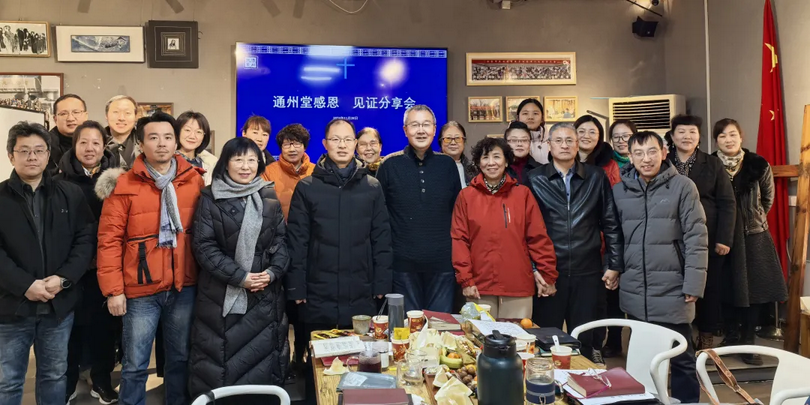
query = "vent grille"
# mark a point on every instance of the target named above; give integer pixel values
(649, 113)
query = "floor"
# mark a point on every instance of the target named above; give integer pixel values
(757, 389)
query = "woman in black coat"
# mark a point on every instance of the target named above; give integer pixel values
(93, 325)
(717, 198)
(239, 332)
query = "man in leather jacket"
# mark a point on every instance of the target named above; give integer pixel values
(577, 205)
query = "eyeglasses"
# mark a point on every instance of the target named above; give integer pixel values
(424, 125)
(65, 114)
(198, 132)
(652, 153)
(621, 137)
(448, 141)
(27, 152)
(560, 141)
(514, 141)
(241, 161)
(292, 145)
(338, 141)
(372, 144)
(584, 133)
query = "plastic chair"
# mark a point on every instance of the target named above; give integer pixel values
(648, 354)
(223, 392)
(791, 384)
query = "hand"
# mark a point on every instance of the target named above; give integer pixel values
(721, 249)
(551, 289)
(690, 298)
(379, 297)
(541, 284)
(117, 305)
(300, 301)
(38, 291)
(471, 292)
(611, 279)
(53, 284)
(256, 281)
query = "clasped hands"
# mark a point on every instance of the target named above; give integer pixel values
(257, 281)
(45, 289)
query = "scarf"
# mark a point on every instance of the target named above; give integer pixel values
(620, 160)
(494, 189)
(683, 167)
(225, 188)
(343, 174)
(732, 163)
(170, 224)
(519, 166)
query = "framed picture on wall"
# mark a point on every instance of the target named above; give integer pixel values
(31, 91)
(494, 135)
(147, 109)
(512, 103)
(561, 109)
(485, 109)
(521, 69)
(172, 44)
(25, 38)
(99, 44)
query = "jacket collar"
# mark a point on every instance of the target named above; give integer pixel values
(479, 183)
(631, 179)
(550, 170)
(16, 183)
(323, 172)
(72, 168)
(288, 167)
(411, 153)
(184, 169)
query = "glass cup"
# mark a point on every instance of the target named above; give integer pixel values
(416, 320)
(540, 381)
(361, 324)
(562, 357)
(409, 372)
(384, 351)
(380, 323)
(368, 361)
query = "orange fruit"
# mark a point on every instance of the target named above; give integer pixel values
(526, 323)
(453, 356)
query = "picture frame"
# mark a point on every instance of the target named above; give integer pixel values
(32, 91)
(78, 43)
(485, 109)
(25, 39)
(494, 135)
(147, 109)
(560, 109)
(172, 44)
(521, 68)
(512, 103)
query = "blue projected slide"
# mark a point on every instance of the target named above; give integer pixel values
(312, 84)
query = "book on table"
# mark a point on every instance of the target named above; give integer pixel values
(337, 347)
(392, 396)
(611, 383)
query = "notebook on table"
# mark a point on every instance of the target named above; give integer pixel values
(393, 396)
(611, 383)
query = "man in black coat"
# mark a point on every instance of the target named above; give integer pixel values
(46, 244)
(339, 237)
(70, 112)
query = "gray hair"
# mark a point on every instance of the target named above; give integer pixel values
(117, 98)
(561, 125)
(417, 107)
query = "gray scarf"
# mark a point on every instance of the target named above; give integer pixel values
(225, 188)
(170, 224)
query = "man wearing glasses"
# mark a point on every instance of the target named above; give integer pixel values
(293, 164)
(519, 139)
(46, 243)
(577, 204)
(420, 189)
(70, 112)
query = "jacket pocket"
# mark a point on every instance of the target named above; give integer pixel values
(678, 252)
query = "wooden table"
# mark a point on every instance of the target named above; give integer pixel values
(326, 385)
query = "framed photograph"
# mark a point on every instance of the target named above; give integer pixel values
(172, 44)
(512, 103)
(147, 109)
(25, 38)
(494, 135)
(521, 69)
(31, 91)
(561, 109)
(99, 44)
(485, 109)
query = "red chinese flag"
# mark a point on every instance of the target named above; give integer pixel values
(771, 138)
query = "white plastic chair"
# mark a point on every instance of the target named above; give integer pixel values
(648, 354)
(791, 384)
(223, 392)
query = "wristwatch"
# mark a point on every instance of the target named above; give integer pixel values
(65, 283)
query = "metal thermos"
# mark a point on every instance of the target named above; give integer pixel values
(500, 372)
(396, 312)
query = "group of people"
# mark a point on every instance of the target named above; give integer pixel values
(23, 41)
(136, 230)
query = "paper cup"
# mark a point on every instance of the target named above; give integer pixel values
(400, 347)
(416, 320)
(380, 323)
(562, 357)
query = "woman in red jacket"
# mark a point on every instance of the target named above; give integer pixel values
(501, 251)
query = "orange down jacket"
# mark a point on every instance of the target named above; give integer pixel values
(285, 177)
(129, 261)
(496, 237)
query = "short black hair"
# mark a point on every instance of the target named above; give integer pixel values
(185, 118)
(158, 116)
(627, 123)
(293, 132)
(590, 118)
(238, 146)
(684, 119)
(334, 122)
(65, 97)
(721, 125)
(516, 126)
(452, 124)
(369, 130)
(90, 124)
(642, 137)
(24, 129)
(256, 121)
(534, 101)
(487, 145)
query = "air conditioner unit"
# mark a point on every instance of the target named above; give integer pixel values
(649, 113)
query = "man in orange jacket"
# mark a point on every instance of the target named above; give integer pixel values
(293, 164)
(145, 265)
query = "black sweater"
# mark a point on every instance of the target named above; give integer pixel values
(420, 195)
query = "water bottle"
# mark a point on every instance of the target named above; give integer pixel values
(396, 312)
(500, 372)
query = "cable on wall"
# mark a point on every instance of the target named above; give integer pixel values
(347, 11)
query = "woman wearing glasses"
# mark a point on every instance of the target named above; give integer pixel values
(530, 112)
(194, 137)
(293, 164)
(593, 150)
(620, 132)
(453, 138)
(518, 136)
(369, 147)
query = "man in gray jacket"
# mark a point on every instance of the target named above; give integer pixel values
(665, 250)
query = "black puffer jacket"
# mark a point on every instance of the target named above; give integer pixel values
(340, 243)
(575, 227)
(238, 349)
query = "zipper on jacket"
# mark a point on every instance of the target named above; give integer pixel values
(644, 253)
(505, 218)
(30, 214)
